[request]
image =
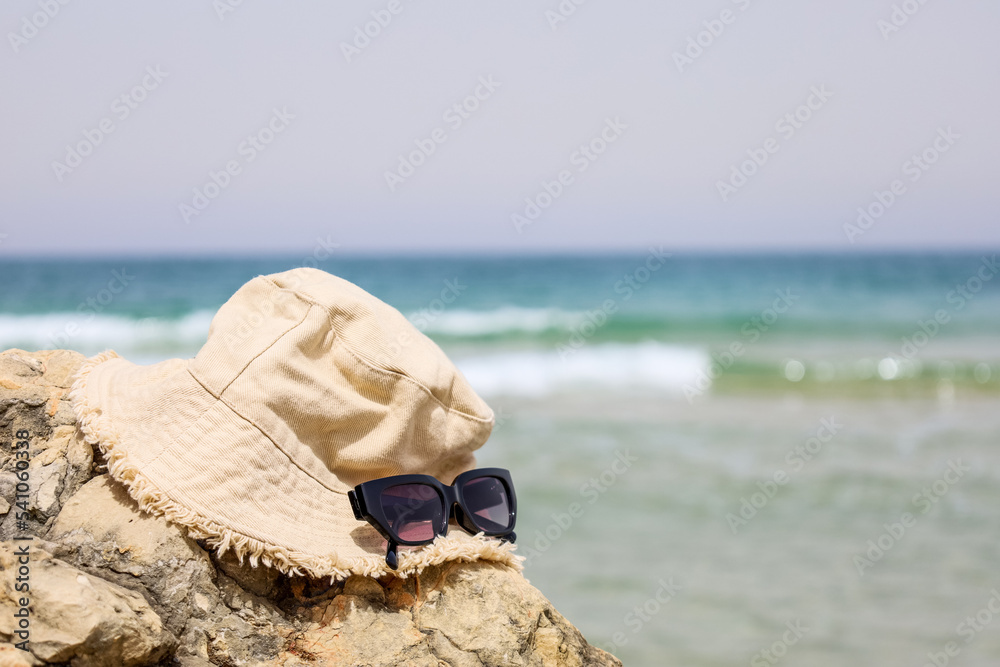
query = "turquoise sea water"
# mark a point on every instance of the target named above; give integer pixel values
(715, 455)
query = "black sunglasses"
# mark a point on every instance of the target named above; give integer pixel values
(414, 509)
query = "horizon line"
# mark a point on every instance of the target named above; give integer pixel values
(361, 253)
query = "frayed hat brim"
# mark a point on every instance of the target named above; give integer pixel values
(98, 428)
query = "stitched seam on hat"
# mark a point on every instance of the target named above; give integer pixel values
(253, 423)
(361, 359)
(239, 414)
(273, 441)
(386, 371)
(254, 358)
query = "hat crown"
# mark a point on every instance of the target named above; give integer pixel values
(340, 381)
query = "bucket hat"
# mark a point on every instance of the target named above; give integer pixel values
(306, 386)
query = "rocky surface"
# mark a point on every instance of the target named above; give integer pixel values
(110, 585)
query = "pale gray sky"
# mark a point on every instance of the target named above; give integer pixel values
(202, 80)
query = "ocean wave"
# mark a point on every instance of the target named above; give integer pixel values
(89, 333)
(506, 319)
(527, 352)
(647, 365)
(94, 332)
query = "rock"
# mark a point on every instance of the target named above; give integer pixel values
(33, 399)
(11, 656)
(458, 613)
(101, 530)
(79, 618)
(119, 586)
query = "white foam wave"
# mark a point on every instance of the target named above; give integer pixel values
(647, 365)
(89, 333)
(164, 337)
(506, 319)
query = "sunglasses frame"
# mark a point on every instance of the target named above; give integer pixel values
(366, 502)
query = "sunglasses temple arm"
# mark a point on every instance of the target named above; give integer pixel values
(359, 513)
(509, 537)
(391, 558)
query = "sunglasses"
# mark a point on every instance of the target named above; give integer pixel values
(412, 510)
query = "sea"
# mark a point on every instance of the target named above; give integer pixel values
(720, 459)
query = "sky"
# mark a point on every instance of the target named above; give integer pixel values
(412, 126)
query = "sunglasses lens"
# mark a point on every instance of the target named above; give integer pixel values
(487, 501)
(413, 511)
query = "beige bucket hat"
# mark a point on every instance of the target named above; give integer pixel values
(306, 386)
